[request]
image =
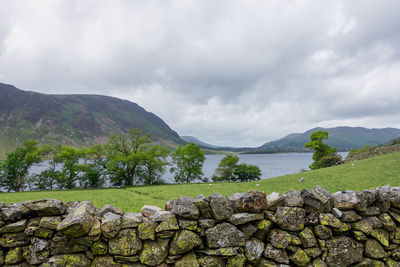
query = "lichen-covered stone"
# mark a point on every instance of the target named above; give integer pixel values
(236, 261)
(381, 235)
(154, 252)
(131, 219)
(225, 252)
(206, 223)
(149, 211)
(290, 218)
(224, 235)
(350, 216)
(16, 227)
(79, 221)
(253, 249)
(14, 255)
(313, 252)
(168, 224)
(65, 244)
(43, 232)
(95, 230)
(267, 263)
(318, 263)
(67, 260)
(307, 238)
(14, 240)
(50, 222)
(274, 200)
(188, 225)
(359, 236)
(300, 257)
(343, 251)
(394, 197)
(317, 200)
(387, 222)
(38, 251)
(46, 207)
(111, 224)
(126, 243)
(275, 254)
(328, 219)
(147, 230)
(184, 241)
(220, 207)
(183, 207)
(211, 261)
(204, 206)
(13, 212)
(279, 238)
(108, 208)
(99, 248)
(104, 261)
(370, 262)
(253, 201)
(248, 230)
(188, 260)
(322, 231)
(345, 200)
(293, 199)
(242, 218)
(370, 211)
(364, 226)
(374, 250)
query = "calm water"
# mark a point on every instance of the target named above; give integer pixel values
(271, 165)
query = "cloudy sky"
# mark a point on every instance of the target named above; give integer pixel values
(229, 72)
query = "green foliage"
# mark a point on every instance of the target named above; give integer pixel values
(247, 172)
(70, 159)
(188, 163)
(153, 165)
(47, 179)
(226, 168)
(125, 153)
(229, 170)
(364, 149)
(323, 153)
(16, 166)
(95, 167)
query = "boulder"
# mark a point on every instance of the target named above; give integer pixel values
(317, 200)
(278, 255)
(184, 241)
(154, 252)
(367, 197)
(243, 218)
(111, 224)
(161, 215)
(206, 223)
(224, 235)
(253, 201)
(183, 207)
(290, 218)
(248, 230)
(387, 222)
(383, 197)
(79, 221)
(343, 251)
(381, 235)
(188, 224)
(253, 249)
(126, 243)
(220, 207)
(46, 207)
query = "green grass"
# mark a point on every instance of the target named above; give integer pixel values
(365, 174)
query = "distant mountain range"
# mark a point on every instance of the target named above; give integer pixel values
(343, 138)
(191, 139)
(77, 120)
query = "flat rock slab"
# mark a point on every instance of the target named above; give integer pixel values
(79, 221)
(224, 235)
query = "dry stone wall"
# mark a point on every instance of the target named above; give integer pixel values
(307, 228)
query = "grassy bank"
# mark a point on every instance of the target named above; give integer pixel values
(365, 174)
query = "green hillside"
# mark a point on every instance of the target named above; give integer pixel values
(75, 120)
(343, 138)
(365, 174)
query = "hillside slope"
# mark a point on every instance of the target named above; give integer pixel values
(72, 119)
(343, 138)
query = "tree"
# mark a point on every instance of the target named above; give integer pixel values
(48, 178)
(70, 159)
(187, 163)
(153, 165)
(247, 172)
(95, 166)
(226, 168)
(324, 155)
(125, 153)
(17, 164)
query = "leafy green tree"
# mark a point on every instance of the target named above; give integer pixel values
(324, 155)
(17, 164)
(47, 179)
(70, 159)
(226, 168)
(153, 165)
(187, 163)
(125, 152)
(95, 166)
(247, 172)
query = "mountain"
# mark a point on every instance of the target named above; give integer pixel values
(75, 120)
(343, 138)
(191, 139)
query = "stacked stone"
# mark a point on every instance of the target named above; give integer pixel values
(307, 228)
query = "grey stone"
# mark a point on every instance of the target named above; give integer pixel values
(79, 221)
(307, 238)
(224, 235)
(394, 197)
(109, 208)
(204, 206)
(50, 222)
(183, 207)
(16, 227)
(253, 249)
(350, 216)
(253, 201)
(243, 218)
(293, 199)
(275, 254)
(126, 243)
(248, 230)
(131, 219)
(160, 216)
(46, 207)
(154, 252)
(374, 250)
(274, 200)
(345, 200)
(184, 241)
(13, 212)
(279, 238)
(343, 251)
(206, 223)
(148, 211)
(220, 207)
(290, 218)
(317, 200)
(38, 251)
(111, 224)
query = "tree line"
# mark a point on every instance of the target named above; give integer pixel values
(127, 159)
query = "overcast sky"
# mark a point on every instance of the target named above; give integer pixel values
(227, 72)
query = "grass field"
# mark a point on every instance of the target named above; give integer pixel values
(365, 174)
